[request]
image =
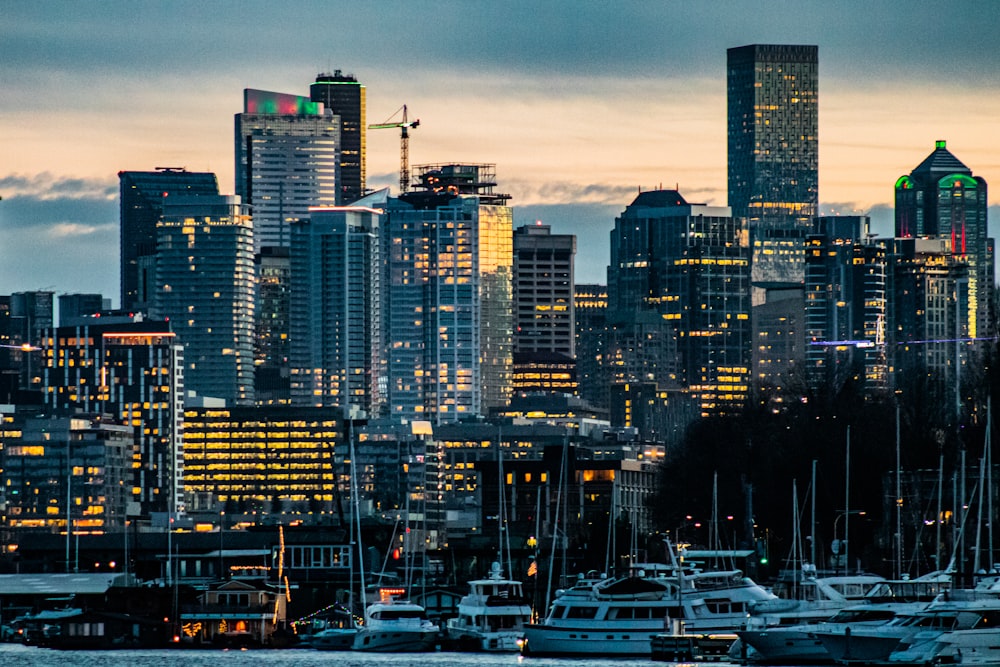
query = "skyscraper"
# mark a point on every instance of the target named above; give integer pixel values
(205, 287)
(448, 295)
(142, 195)
(773, 123)
(335, 330)
(544, 310)
(678, 300)
(131, 370)
(287, 159)
(345, 97)
(941, 199)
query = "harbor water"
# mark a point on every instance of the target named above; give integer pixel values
(17, 655)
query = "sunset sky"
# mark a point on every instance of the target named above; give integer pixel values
(579, 104)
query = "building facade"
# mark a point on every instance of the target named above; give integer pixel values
(142, 195)
(335, 333)
(345, 97)
(273, 318)
(448, 289)
(205, 288)
(287, 159)
(773, 121)
(133, 371)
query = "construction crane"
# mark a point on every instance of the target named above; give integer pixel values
(404, 144)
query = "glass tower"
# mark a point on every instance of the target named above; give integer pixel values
(345, 97)
(773, 144)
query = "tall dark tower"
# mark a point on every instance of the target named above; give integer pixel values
(773, 143)
(346, 98)
(941, 199)
(143, 194)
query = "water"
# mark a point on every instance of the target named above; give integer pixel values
(15, 655)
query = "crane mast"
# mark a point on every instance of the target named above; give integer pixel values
(404, 144)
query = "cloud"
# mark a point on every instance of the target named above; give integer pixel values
(71, 214)
(45, 187)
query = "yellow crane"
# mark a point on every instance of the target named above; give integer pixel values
(404, 144)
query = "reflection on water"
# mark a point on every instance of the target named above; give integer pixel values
(16, 655)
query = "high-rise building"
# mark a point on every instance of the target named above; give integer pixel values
(845, 305)
(133, 371)
(287, 159)
(678, 300)
(335, 332)
(591, 311)
(271, 341)
(143, 194)
(448, 289)
(773, 120)
(75, 306)
(345, 97)
(941, 199)
(544, 310)
(35, 313)
(205, 288)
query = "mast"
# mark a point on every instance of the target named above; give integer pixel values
(899, 506)
(812, 520)
(847, 502)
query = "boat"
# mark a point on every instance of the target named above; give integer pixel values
(492, 616)
(621, 616)
(335, 632)
(396, 626)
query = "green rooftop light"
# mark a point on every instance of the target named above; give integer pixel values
(940, 143)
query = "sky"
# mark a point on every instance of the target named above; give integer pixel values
(579, 104)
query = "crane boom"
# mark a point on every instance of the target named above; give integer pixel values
(404, 144)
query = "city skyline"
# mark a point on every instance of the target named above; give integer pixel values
(577, 108)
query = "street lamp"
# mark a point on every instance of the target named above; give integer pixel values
(835, 545)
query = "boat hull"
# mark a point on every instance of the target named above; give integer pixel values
(395, 641)
(541, 641)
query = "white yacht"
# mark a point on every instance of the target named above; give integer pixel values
(962, 627)
(492, 616)
(334, 633)
(621, 616)
(396, 626)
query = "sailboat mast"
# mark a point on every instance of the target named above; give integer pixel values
(899, 506)
(847, 502)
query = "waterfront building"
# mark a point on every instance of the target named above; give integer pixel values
(265, 459)
(133, 371)
(942, 199)
(141, 199)
(845, 306)
(678, 301)
(205, 288)
(591, 307)
(335, 346)
(287, 159)
(65, 474)
(345, 97)
(448, 290)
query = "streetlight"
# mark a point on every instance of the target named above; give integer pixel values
(222, 532)
(835, 545)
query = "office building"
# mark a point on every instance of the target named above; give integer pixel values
(269, 459)
(33, 312)
(287, 159)
(142, 195)
(131, 370)
(205, 288)
(845, 306)
(271, 341)
(345, 97)
(73, 307)
(773, 121)
(678, 303)
(591, 307)
(448, 291)
(335, 346)
(941, 199)
(64, 474)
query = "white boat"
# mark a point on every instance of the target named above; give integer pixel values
(621, 616)
(492, 616)
(396, 626)
(780, 631)
(962, 627)
(334, 633)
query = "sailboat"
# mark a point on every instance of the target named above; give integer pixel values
(392, 624)
(491, 617)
